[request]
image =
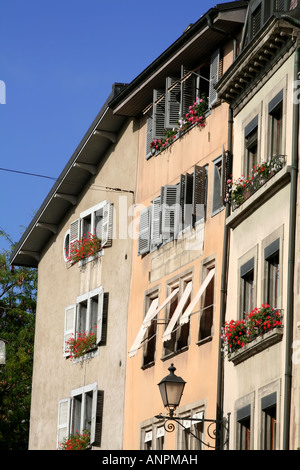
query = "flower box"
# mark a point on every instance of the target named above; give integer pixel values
(76, 441)
(239, 336)
(88, 246)
(81, 343)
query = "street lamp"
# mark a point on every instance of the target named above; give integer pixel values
(171, 389)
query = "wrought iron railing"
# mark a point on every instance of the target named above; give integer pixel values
(245, 187)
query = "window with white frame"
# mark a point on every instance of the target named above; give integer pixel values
(88, 315)
(247, 287)
(275, 110)
(269, 421)
(191, 433)
(177, 208)
(244, 428)
(94, 222)
(81, 412)
(251, 146)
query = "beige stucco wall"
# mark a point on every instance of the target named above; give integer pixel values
(264, 372)
(58, 286)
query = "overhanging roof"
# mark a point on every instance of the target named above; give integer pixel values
(72, 180)
(194, 46)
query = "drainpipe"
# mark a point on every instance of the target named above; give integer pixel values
(220, 376)
(291, 264)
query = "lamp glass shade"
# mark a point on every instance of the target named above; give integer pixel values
(171, 389)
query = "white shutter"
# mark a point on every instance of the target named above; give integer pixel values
(74, 233)
(156, 222)
(63, 422)
(106, 238)
(158, 114)
(70, 325)
(169, 208)
(185, 317)
(178, 311)
(172, 103)
(214, 76)
(144, 231)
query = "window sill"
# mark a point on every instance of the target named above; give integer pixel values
(257, 345)
(204, 341)
(85, 261)
(261, 196)
(174, 353)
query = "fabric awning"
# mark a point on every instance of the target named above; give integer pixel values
(185, 317)
(178, 311)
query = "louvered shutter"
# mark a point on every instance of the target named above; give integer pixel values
(144, 231)
(158, 114)
(188, 91)
(104, 319)
(74, 234)
(172, 102)
(199, 192)
(97, 418)
(63, 421)
(169, 208)
(70, 326)
(149, 136)
(156, 223)
(106, 239)
(188, 200)
(93, 413)
(214, 76)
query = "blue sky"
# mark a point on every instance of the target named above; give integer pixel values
(58, 61)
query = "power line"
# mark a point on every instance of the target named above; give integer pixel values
(93, 186)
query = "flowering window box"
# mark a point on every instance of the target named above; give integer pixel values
(194, 117)
(261, 328)
(244, 187)
(85, 249)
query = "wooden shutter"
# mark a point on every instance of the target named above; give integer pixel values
(63, 421)
(187, 91)
(107, 225)
(214, 76)
(158, 114)
(188, 200)
(149, 136)
(169, 207)
(97, 418)
(199, 192)
(70, 325)
(74, 234)
(144, 231)
(156, 222)
(172, 104)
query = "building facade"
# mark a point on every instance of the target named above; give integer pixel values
(74, 389)
(259, 391)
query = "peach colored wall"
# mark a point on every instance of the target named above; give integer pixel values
(197, 365)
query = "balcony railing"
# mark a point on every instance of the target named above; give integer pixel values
(243, 188)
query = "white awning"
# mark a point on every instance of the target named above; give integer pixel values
(178, 311)
(190, 308)
(152, 313)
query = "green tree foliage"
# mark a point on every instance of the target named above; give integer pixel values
(17, 322)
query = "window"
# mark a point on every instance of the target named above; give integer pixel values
(149, 348)
(268, 406)
(207, 310)
(176, 336)
(275, 109)
(82, 411)
(89, 314)
(244, 428)
(160, 438)
(177, 208)
(96, 221)
(247, 287)
(147, 444)
(251, 145)
(191, 435)
(272, 275)
(217, 203)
